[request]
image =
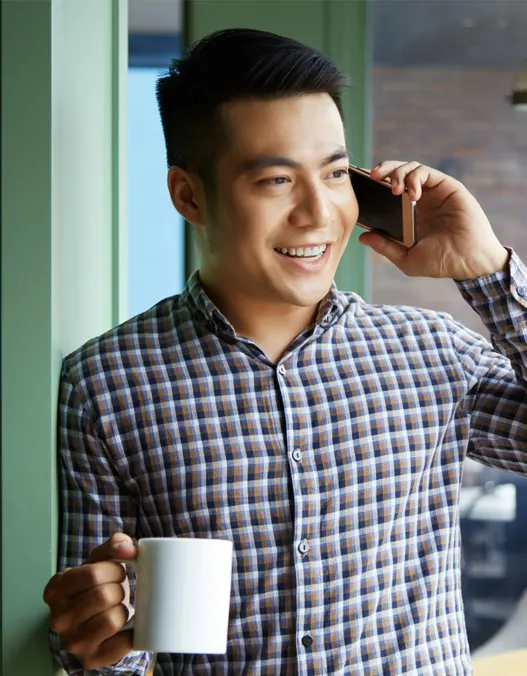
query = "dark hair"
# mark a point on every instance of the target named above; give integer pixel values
(229, 65)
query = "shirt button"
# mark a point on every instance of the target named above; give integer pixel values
(522, 291)
(297, 455)
(307, 641)
(304, 547)
(282, 370)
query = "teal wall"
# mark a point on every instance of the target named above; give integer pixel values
(28, 502)
(62, 222)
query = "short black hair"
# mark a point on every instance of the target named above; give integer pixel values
(229, 65)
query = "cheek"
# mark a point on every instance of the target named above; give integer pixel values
(255, 215)
(234, 243)
(348, 216)
(352, 207)
(346, 208)
(254, 224)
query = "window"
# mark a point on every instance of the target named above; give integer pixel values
(155, 229)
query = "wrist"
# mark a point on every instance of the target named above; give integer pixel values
(495, 262)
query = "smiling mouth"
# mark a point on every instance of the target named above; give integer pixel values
(310, 253)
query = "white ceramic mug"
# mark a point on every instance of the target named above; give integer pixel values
(182, 597)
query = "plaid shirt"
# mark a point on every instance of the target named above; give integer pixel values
(335, 473)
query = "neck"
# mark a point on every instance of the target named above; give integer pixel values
(272, 326)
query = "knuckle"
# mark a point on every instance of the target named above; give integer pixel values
(122, 574)
(106, 596)
(67, 580)
(58, 624)
(93, 574)
(98, 573)
(53, 588)
(90, 663)
(114, 622)
(74, 645)
(47, 596)
(100, 595)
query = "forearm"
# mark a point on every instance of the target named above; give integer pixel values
(501, 302)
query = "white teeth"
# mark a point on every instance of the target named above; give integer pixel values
(308, 252)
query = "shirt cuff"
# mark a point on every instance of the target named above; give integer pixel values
(499, 297)
(133, 664)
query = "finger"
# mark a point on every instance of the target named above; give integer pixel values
(413, 177)
(423, 177)
(110, 651)
(385, 168)
(119, 546)
(52, 586)
(82, 578)
(85, 606)
(399, 176)
(71, 581)
(86, 638)
(394, 252)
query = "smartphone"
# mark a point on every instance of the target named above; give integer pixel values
(382, 211)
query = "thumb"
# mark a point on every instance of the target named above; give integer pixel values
(119, 546)
(394, 252)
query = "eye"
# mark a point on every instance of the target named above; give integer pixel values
(339, 173)
(275, 180)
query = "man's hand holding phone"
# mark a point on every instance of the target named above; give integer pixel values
(88, 605)
(454, 238)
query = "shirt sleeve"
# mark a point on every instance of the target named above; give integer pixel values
(94, 504)
(496, 374)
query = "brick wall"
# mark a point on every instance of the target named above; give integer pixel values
(459, 121)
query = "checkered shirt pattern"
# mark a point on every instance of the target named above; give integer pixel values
(336, 473)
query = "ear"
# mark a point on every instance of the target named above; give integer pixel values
(187, 194)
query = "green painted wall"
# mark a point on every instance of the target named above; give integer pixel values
(340, 28)
(61, 260)
(28, 503)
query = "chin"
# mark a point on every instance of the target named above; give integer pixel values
(307, 297)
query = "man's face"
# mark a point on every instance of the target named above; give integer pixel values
(284, 206)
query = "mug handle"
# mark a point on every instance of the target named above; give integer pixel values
(130, 624)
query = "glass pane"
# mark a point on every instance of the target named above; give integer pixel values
(155, 229)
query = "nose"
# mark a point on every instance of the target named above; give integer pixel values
(313, 208)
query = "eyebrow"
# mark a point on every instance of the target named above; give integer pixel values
(265, 161)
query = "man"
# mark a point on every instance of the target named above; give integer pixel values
(324, 436)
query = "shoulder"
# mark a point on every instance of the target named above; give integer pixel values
(404, 326)
(136, 341)
(360, 311)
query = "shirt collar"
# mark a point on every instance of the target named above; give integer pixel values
(330, 309)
